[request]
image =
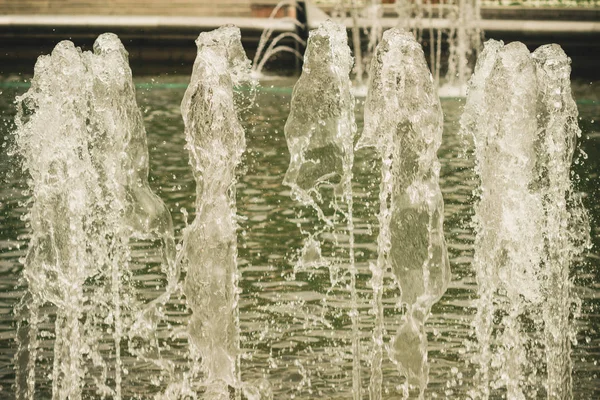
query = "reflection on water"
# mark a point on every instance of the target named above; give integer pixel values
(295, 330)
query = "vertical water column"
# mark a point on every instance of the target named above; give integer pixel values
(465, 42)
(356, 43)
(529, 226)
(82, 140)
(320, 132)
(403, 121)
(566, 227)
(52, 140)
(130, 217)
(500, 114)
(215, 140)
(120, 151)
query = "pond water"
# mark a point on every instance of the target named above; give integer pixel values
(295, 331)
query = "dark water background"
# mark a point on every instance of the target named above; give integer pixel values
(288, 336)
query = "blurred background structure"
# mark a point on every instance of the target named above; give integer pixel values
(159, 34)
(197, 8)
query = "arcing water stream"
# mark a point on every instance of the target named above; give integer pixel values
(88, 328)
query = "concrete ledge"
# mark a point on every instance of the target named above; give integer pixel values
(278, 25)
(536, 26)
(145, 22)
(546, 13)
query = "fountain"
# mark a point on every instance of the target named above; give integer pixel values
(89, 326)
(403, 121)
(320, 135)
(93, 213)
(216, 142)
(530, 227)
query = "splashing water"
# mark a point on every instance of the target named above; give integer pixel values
(509, 244)
(566, 227)
(403, 121)
(216, 142)
(320, 127)
(530, 227)
(87, 325)
(58, 185)
(320, 134)
(82, 141)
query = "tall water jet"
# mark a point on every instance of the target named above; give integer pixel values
(509, 244)
(403, 121)
(320, 134)
(566, 225)
(57, 263)
(529, 227)
(215, 140)
(138, 220)
(82, 141)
